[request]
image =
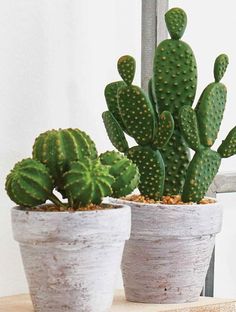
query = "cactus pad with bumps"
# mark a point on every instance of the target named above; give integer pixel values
(228, 146)
(111, 93)
(152, 99)
(210, 110)
(220, 66)
(202, 169)
(114, 132)
(174, 76)
(176, 158)
(164, 130)
(176, 21)
(151, 168)
(189, 126)
(126, 68)
(29, 183)
(87, 181)
(123, 170)
(137, 114)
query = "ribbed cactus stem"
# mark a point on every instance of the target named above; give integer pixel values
(57, 148)
(87, 181)
(124, 171)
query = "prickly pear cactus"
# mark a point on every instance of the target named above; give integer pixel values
(29, 183)
(124, 171)
(200, 128)
(136, 115)
(87, 181)
(174, 84)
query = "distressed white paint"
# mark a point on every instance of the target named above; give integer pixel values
(71, 259)
(168, 254)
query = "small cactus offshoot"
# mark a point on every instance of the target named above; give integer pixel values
(66, 160)
(163, 122)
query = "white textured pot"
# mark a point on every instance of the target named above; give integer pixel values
(71, 259)
(169, 251)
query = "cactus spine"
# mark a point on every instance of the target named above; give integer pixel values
(200, 128)
(132, 112)
(174, 85)
(66, 160)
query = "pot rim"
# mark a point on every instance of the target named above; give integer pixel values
(126, 202)
(116, 207)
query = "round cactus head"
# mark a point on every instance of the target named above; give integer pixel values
(126, 68)
(176, 21)
(87, 181)
(124, 171)
(220, 66)
(57, 148)
(29, 183)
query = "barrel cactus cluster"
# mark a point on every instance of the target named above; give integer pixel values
(66, 160)
(163, 122)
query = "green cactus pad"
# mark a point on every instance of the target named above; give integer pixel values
(111, 92)
(29, 183)
(114, 132)
(176, 21)
(220, 66)
(126, 68)
(228, 146)
(164, 130)
(151, 169)
(152, 98)
(210, 110)
(189, 127)
(201, 172)
(124, 171)
(137, 114)
(174, 76)
(56, 148)
(176, 158)
(87, 181)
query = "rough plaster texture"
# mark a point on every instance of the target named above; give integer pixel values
(71, 259)
(168, 254)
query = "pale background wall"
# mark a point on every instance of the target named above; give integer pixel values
(56, 57)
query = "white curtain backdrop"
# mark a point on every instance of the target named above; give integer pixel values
(56, 56)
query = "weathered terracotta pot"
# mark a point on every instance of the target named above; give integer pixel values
(71, 259)
(169, 251)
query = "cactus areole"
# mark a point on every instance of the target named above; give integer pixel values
(66, 160)
(163, 122)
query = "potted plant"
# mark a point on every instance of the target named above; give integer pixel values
(72, 249)
(173, 225)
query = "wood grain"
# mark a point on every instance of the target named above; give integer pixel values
(22, 303)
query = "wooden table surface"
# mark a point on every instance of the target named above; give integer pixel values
(22, 303)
